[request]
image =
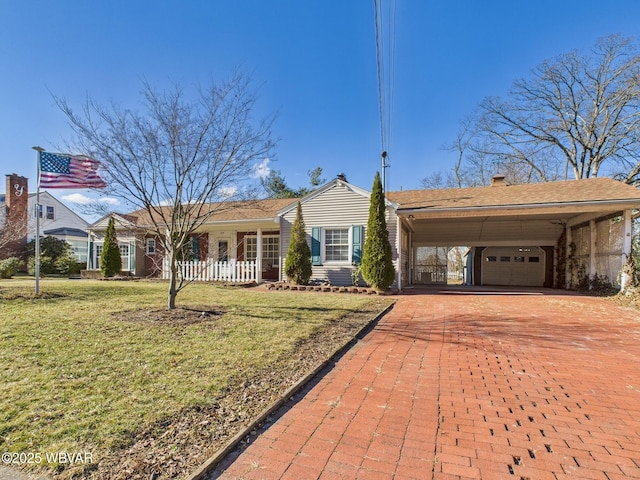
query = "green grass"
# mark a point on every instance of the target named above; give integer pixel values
(75, 378)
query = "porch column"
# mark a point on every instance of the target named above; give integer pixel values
(399, 250)
(410, 259)
(627, 236)
(89, 252)
(259, 256)
(567, 266)
(592, 250)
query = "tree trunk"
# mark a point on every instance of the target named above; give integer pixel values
(173, 281)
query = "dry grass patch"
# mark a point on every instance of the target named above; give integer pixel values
(101, 367)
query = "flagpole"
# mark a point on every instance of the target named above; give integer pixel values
(39, 150)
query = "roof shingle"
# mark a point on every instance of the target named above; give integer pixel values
(587, 191)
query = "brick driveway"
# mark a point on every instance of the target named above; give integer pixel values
(469, 385)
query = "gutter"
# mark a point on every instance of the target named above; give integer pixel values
(631, 202)
(226, 222)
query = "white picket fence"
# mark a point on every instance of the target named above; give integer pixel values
(210, 271)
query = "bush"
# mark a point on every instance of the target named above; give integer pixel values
(10, 266)
(110, 259)
(55, 257)
(297, 264)
(377, 263)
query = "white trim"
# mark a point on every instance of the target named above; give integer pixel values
(538, 206)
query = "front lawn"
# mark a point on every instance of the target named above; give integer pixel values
(99, 368)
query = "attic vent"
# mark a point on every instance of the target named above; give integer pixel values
(498, 180)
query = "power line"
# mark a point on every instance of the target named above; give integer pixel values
(385, 60)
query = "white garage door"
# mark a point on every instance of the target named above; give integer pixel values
(518, 266)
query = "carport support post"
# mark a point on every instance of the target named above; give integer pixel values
(626, 242)
(567, 263)
(399, 250)
(593, 233)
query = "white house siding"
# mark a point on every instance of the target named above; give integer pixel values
(63, 215)
(339, 206)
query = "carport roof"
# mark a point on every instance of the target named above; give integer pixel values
(589, 192)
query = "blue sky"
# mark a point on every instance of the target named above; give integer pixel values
(315, 63)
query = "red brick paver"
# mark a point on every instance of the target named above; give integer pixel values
(459, 385)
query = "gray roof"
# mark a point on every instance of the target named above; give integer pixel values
(71, 232)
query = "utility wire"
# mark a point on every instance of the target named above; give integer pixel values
(380, 64)
(385, 60)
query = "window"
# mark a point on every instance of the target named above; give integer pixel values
(518, 259)
(124, 255)
(270, 249)
(79, 250)
(492, 258)
(534, 259)
(151, 246)
(505, 259)
(336, 244)
(250, 248)
(50, 212)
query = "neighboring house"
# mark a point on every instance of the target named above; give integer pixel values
(58, 220)
(18, 207)
(544, 234)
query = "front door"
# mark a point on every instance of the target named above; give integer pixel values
(223, 251)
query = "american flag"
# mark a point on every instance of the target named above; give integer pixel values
(65, 171)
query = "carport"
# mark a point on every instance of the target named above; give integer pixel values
(553, 234)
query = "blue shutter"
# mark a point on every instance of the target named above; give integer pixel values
(356, 244)
(315, 245)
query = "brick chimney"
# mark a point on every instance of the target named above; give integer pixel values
(17, 214)
(498, 180)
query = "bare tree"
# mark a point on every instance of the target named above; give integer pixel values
(13, 231)
(577, 113)
(12, 238)
(178, 158)
(454, 178)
